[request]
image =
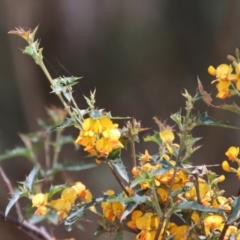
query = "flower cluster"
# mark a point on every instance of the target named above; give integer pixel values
(63, 204)
(112, 210)
(167, 197)
(99, 136)
(232, 154)
(228, 80)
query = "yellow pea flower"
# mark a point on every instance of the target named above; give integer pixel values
(135, 215)
(223, 89)
(213, 222)
(221, 72)
(232, 153)
(39, 200)
(226, 167)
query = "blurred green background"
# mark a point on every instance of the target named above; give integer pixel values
(139, 55)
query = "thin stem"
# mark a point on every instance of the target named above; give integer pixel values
(117, 177)
(9, 188)
(223, 233)
(199, 201)
(159, 211)
(181, 147)
(133, 151)
(184, 131)
(47, 152)
(36, 233)
(56, 148)
(43, 67)
(76, 106)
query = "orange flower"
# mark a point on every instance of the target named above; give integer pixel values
(145, 157)
(99, 136)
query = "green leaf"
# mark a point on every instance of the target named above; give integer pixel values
(29, 51)
(34, 219)
(99, 232)
(68, 122)
(67, 166)
(153, 138)
(79, 212)
(65, 139)
(119, 235)
(55, 189)
(16, 196)
(114, 154)
(89, 102)
(118, 164)
(96, 114)
(67, 95)
(177, 118)
(198, 207)
(58, 88)
(67, 81)
(142, 178)
(235, 214)
(17, 152)
(232, 108)
(130, 207)
(204, 119)
(165, 167)
(28, 183)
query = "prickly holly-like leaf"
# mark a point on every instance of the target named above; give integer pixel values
(68, 122)
(177, 118)
(204, 119)
(67, 95)
(69, 167)
(130, 207)
(153, 138)
(119, 235)
(198, 207)
(17, 152)
(67, 81)
(58, 88)
(29, 51)
(28, 183)
(165, 167)
(55, 189)
(232, 108)
(235, 214)
(89, 102)
(118, 165)
(16, 196)
(142, 178)
(96, 114)
(78, 212)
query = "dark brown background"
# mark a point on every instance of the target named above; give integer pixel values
(140, 55)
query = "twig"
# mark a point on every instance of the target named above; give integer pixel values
(133, 151)
(224, 232)
(30, 229)
(9, 188)
(199, 201)
(117, 177)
